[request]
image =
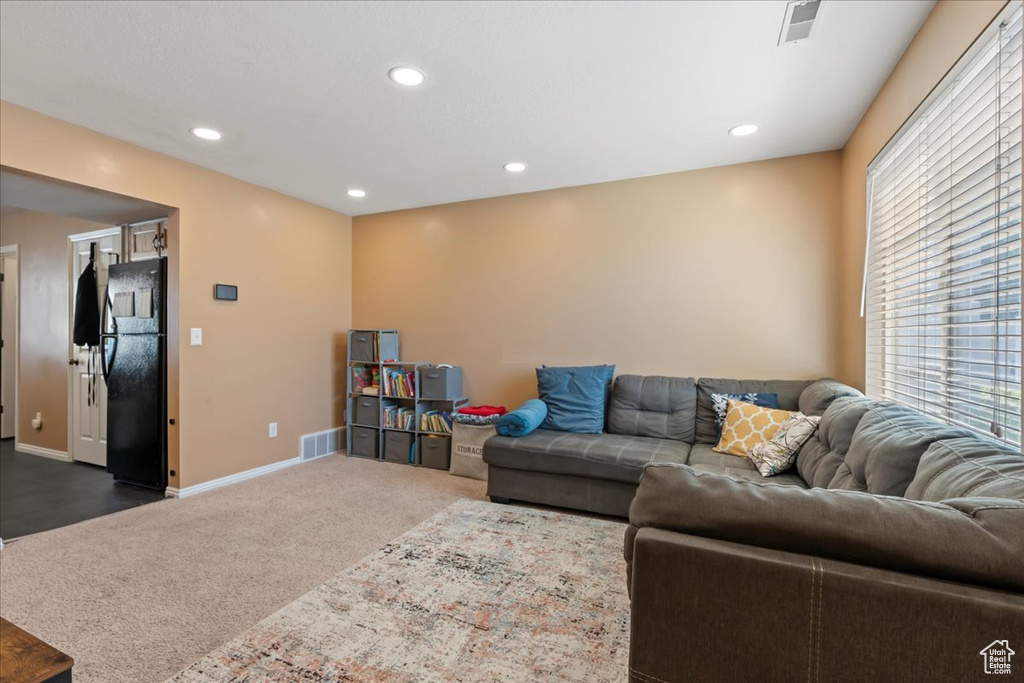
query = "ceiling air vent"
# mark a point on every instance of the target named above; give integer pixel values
(800, 19)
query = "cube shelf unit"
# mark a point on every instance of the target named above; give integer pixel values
(366, 435)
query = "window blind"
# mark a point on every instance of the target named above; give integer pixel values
(942, 285)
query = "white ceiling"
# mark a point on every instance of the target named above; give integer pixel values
(583, 92)
(24, 192)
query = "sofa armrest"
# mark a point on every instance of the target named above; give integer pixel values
(975, 540)
(708, 610)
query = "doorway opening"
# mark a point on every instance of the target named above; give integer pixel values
(8, 340)
(64, 457)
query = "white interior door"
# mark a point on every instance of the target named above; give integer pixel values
(9, 348)
(88, 442)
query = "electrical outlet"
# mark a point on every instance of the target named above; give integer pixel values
(273, 430)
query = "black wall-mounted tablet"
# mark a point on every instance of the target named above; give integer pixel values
(225, 292)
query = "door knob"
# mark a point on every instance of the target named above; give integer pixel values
(73, 361)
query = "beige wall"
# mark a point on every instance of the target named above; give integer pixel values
(718, 272)
(947, 32)
(42, 241)
(274, 355)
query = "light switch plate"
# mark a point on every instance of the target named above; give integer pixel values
(273, 430)
(197, 336)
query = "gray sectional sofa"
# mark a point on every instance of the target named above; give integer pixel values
(900, 557)
(892, 551)
(650, 420)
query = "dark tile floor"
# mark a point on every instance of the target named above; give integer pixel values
(38, 493)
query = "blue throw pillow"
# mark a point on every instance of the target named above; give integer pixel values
(576, 398)
(720, 403)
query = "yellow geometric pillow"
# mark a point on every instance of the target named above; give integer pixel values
(747, 425)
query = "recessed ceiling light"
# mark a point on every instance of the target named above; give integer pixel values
(406, 75)
(745, 129)
(356, 193)
(515, 167)
(207, 133)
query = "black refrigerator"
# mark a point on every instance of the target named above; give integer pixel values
(134, 362)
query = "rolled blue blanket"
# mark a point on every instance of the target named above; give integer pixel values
(523, 419)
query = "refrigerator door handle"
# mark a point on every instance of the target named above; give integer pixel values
(105, 337)
(105, 364)
(107, 306)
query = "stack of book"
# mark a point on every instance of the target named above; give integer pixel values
(399, 418)
(400, 383)
(439, 421)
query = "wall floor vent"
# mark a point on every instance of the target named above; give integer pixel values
(317, 445)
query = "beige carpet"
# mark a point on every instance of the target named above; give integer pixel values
(141, 594)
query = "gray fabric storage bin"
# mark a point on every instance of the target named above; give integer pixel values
(435, 452)
(388, 344)
(364, 442)
(441, 383)
(397, 446)
(363, 346)
(367, 410)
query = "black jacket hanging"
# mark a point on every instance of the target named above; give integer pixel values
(87, 309)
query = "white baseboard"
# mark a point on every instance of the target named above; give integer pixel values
(173, 492)
(45, 452)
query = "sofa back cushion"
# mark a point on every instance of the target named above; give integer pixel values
(886, 449)
(788, 392)
(819, 395)
(822, 454)
(968, 467)
(659, 407)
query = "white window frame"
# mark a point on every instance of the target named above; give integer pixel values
(889, 358)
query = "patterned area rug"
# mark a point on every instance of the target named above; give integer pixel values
(479, 592)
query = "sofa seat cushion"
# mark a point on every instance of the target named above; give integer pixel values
(703, 459)
(702, 454)
(968, 468)
(788, 392)
(886, 449)
(601, 456)
(786, 479)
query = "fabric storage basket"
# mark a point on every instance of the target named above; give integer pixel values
(434, 452)
(441, 383)
(364, 346)
(468, 450)
(364, 442)
(397, 446)
(367, 410)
